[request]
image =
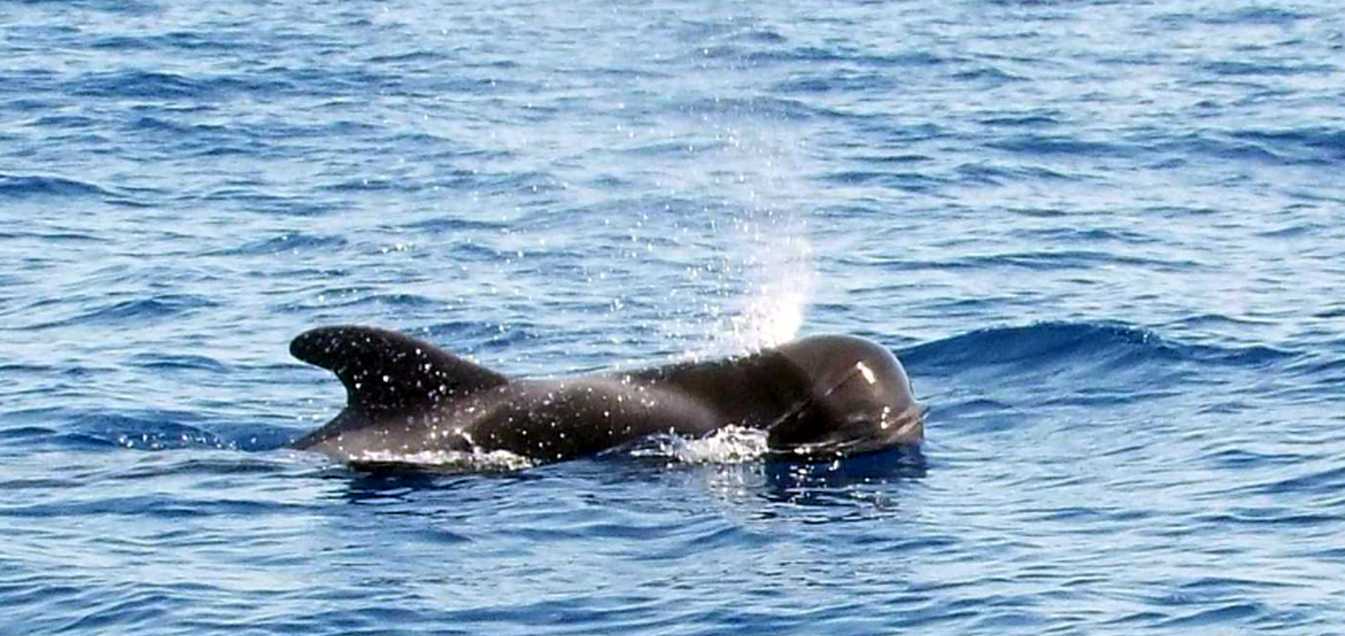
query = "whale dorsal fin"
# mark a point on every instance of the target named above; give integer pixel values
(385, 371)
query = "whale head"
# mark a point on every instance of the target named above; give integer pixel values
(860, 400)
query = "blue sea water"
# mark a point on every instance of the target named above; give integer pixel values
(1105, 238)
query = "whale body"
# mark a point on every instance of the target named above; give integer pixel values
(817, 396)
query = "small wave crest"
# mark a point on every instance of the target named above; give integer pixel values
(134, 311)
(24, 186)
(293, 242)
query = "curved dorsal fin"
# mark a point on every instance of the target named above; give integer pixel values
(385, 371)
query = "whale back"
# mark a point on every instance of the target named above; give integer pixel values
(386, 372)
(749, 390)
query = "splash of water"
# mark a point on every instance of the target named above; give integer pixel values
(728, 445)
(780, 285)
(473, 461)
(766, 277)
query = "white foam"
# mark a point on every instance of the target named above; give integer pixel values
(475, 460)
(728, 445)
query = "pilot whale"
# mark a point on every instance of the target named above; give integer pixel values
(819, 396)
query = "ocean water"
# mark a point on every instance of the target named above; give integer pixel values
(1105, 238)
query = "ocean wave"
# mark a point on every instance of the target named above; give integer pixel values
(751, 107)
(813, 54)
(150, 505)
(159, 124)
(1042, 144)
(132, 429)
(173, 362)
(1053, 260)
(249, 198)
(1242, 147)
(66, 121)
(1054, 342)
(143, 84)
(1042, 120)
(451, 224)
(999, 174)
(461, 331)
(1255, 14)
(292, 242)
(831, 82)
(406, 56)
(25, 186)
(54, 236)
(329, 297)
(26, 434)
(150, 430)
(1239, 68)
(1319, 481)
(903, 181)
(135, 311)
(987, 75)
(686, 147)
(1327, 142)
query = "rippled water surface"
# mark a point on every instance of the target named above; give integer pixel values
(1105, 238)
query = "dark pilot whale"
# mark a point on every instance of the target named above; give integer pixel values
(817, 396)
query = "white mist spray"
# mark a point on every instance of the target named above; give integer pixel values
(769, 273)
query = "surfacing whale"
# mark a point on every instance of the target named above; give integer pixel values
(819, 396)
